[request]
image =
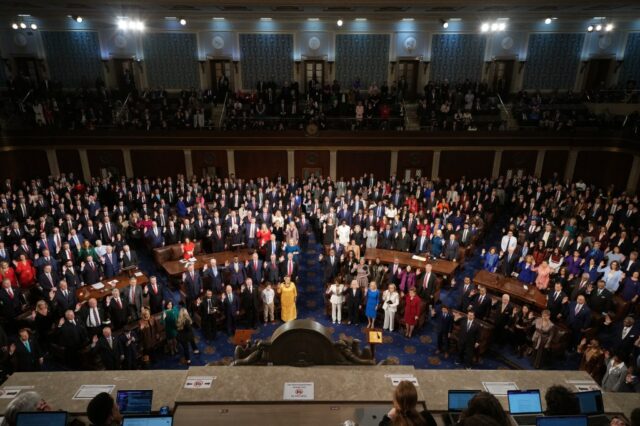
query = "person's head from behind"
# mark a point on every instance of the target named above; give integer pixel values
(479, 420)
(103, 410)
(561, 402)
(488, 405)
(405, 399)
(635, 417)
(24, 403)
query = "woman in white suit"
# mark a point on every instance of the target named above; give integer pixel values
(337, 299)
(390, 301)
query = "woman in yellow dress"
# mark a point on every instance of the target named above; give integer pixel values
(288, 295)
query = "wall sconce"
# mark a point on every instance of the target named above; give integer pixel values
(202, 62)
(235, 66)
(618, 65)
(521, 66)
(426, 66)
(105, 64)
(584, 65)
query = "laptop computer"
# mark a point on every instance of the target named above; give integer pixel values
(148, 421)
(592, 406)
(562, 421)
(39, 418)
(457, 401)
(525, 406)
(134, 402)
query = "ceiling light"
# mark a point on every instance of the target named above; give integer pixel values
(339, 22)
(445, 25)
(361, 19)
(23, 25)
(24, 15)
(502, 26)
(123, 24)
(218, 18)
(407, 19)
(265, 19)
(14, 26)
(608, 27)
(599, 27)
(484, 27)
(590, 28)
(313, 19)
(183, 22)
(547, 21)
(494, 27)
(34, 27)
(139, 26)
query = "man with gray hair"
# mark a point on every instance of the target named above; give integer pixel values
(25, 402)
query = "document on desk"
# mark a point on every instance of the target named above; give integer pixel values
(298, 392)
(397, 378)
(499, 388)
(138, 274)
(420, 258)
(199, 382)
(9, 393)
(97, 286)
(584, 385)
(89, 391)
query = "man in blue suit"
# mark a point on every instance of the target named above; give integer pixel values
(192, 284)
(578, 319)
(111, 264)
(254, 269)
(231, 307)
(237, 273)
(154, 236)
(214, 275)
(444, 327)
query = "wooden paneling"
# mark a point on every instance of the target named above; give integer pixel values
(69, 162)
(24, 164)
(415, 160)
(161, 162)
(203, 160)
(554, 162)
(308, 161)
(472, 164)
(110, 159)
(603, 168)
(250, 164)
(518, 160)
(356, 163)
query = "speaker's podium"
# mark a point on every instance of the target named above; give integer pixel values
(374, 337)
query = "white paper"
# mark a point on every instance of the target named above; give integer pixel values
(193, 259)
(182, 261)
(298, 392)
(97, 286)
(113, 282)
(9, 393)
(138, 274)
(89, 391)
(420, 258)
(584, 385)
(199, 382)
(499, 388)
(397, 378)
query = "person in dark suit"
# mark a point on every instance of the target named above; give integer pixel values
(72, 336)
(25, 354)
(402, 241)
(621, 336)
(129, 257)
(255, 268)
(426, 286)
(451, 247)
(128, 348)
(48, 280)
(600, 300)
(555, 302)
(208, 308)
(503, 318)
(422, 243)
(10, 301)
(91, 272)
(237, 273)
(468, 338)
(579, 286)
(118, 309)
(272, 270)
(231, 308)
(108, 349)
(578, 319)
(64, 299)
(250, 302)
(212, 277)
(354, 302)
(111, 265)
(72, 276)
(467, 293)
(171, 234)
(94, 318)
(154, 236)
(481, 303)
(218, 239)
(509, 260)
(155, 291)
(289, 267)
(330, 265)
(108, 231)
(444, 327)
(193, 285)
(133, 294)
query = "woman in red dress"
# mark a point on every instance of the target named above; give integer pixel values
(26, 272)
(7, 272)
(263, 235)
(188, 248)
(411, 311)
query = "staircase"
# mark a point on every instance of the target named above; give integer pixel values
(411, 117)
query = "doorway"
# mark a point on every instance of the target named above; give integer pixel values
(29, 69)
(125, 79)
(220, 68)
(313, 74)
(597, 74)
(502, 76)
(408, 72)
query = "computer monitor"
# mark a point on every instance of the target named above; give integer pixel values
(49, 418)
(524, 402)
(459, 399)
(134, 401)
(562, 421)
(148, 421)
(590, 402)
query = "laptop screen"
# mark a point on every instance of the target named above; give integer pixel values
(562, 421)
(148, 421)
(590, 402)
(459, 399)
(524, 402)
(134, 401)
(49, 418)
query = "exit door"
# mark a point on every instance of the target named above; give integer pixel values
(408, 77)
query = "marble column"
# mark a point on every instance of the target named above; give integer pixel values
(291, 163)
(128, 164)
(333, 164)
(393, 168)
(84, 162)
(634, 175)
(231, 162)
(188, 163)
(571, 165)
(497, 159)
(435, 165)
(52, 159)
(539, 163)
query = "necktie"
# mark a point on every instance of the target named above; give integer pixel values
(468, 325)
(578, 308)
(27, 345)
(290, 268)
(96, 317)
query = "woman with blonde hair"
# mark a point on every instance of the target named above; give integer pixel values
(404, 411)
(542, 338)
(184, 324)
(390, 302)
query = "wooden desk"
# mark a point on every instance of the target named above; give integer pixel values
(87, 292)
(500, 285)
(174, 268)
(440, 267)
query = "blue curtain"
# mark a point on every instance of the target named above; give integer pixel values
(171, 60)
(457, 57)
(266, 57)
(73, 57)
(552, 61)
(630, 69)
(362, 55)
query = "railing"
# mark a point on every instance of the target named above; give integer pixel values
(224, 110)
(124, 104)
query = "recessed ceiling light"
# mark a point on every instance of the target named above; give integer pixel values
(445, 25)
(609, 27)
(408, 19)
(34, 27)
(598, 27)
(590, 28)
(24, 15)
(361, 19)
(313, 19)
(502, 26)
(23, 25)
(547, 21)
(484, 27)
(183, 22)
(218, 18)
(14, 26)
(265, 19)
(170, 18)
(339, 22)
